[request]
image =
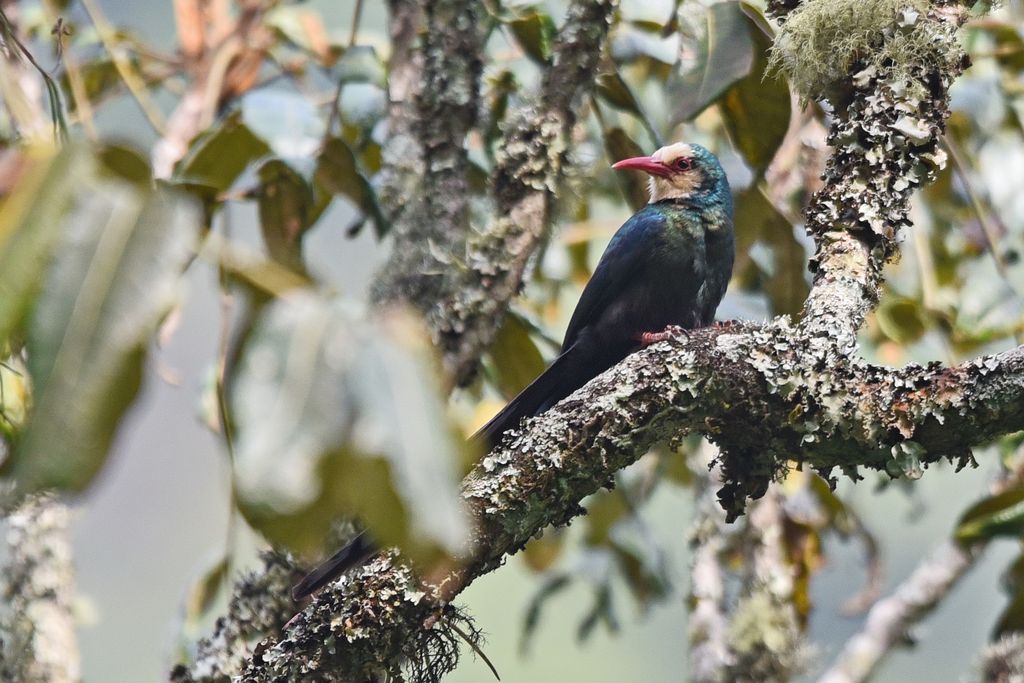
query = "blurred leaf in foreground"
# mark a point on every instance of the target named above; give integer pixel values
(108, 259)
(337, 416)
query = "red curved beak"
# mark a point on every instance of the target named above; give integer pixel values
(645, 164)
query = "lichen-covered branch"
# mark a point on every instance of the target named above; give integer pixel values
(708, 622)
(260, 606)
(531, 162)
(538, 476)
(758, 637)
(886, 142)
(38, 643)
(1001, 661)
(888, 620)
(434, 91)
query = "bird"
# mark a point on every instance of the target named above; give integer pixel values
(663, 272)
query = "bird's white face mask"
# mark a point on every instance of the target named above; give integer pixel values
(672, 172)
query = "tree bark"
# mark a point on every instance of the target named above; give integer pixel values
(464, 287)
(38, 642)
(435, 97)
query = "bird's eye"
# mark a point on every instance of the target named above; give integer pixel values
(682, 164)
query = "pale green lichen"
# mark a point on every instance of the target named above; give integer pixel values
(821, 41)
(765, 639)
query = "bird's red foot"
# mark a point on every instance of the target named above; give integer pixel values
(670, 332)
(726, 325)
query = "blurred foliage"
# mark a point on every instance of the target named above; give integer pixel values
(95, 259)
(326, 413)
(335, 415)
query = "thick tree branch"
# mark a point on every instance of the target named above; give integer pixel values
(435, 97)
(539, 475)
(531, 163)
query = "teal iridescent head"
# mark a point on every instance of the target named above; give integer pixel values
(681, 171)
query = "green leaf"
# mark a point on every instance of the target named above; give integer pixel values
(1007, 42)
(218, 156)
(113, 275)
(901, 319)
(337, 172)
(604, 510)
(618, 145)
(502, 87)
(337, 417)
(125, 163)
(303, 27)
(15, 398)
(617, 93)
(1012, 618)
(360, 64)
(31, 220)
(541, 553)
(998, 515)
(285, 201)
(517, 361)
(535, 32)
(725, 55)
(757, 108)
(554, 585)
(757, 220)
(204, 592)
(603, 610)
(99, 78)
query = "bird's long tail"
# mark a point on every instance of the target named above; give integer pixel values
(359, 550)
(549, 388)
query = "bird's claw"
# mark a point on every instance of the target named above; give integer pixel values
(726, 325)
(670, 332)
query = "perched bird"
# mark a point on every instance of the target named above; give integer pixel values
(666, 267)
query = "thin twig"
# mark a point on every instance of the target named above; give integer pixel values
(475, 647)
(357, 16)
(60, 126)
(83, 106)
(226, 308)
(991, 233)
(889, 619)
(135, 83)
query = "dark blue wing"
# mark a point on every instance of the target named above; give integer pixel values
(626, 255)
